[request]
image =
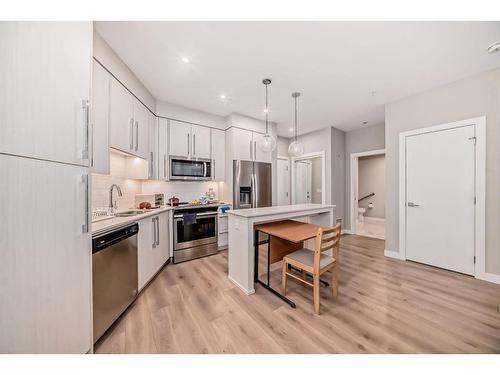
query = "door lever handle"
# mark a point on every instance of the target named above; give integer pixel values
(411, 204)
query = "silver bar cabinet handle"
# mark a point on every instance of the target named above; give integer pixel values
(151, 172)
(136, 135)
(188, 144)
(158, 231)
(165, 165)
(154, 231)
(86, 111)
(254, 150)
(85, 180)
(194, 144)
(131, 133)
(251, 157)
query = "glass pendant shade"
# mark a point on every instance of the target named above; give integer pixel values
(295, 149)
(266, 143)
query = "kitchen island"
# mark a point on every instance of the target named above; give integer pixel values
(241, 251)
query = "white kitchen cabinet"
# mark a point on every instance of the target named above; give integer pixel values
(45, 277)
(218, 154)
(121, 118)
(44, 101)
(100, 120)
(179, 138)
(189, 140)
(152, 246)
(153, 147)
(141, 134)
(128, 122)
(200, 142)
(241, 144)
(244, 146)
(162, 149)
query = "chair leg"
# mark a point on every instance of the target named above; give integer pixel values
(316, 293)
(335, 282)
(283, 277)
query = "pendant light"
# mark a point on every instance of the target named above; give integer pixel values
(295, 148)
(267, 143)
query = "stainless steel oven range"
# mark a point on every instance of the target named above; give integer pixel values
(195, 233)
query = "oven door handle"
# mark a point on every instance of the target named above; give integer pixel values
(202, 214)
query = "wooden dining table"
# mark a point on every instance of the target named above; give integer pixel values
(285, 237)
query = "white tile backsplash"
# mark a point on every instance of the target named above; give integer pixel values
(100, 191)
(184, 190)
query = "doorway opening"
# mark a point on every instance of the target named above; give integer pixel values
(368, 194)
(308, 179)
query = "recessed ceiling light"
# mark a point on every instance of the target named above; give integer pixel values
(365, 122)
(265, 110)
(185, 60)
(494, 47)
(291, 129)
(222, 96)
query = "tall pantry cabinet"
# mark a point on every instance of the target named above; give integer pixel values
(45, 272)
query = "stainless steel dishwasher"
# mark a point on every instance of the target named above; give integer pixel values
(114, 275)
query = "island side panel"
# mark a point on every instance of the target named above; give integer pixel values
(241, 253)
(326, 219)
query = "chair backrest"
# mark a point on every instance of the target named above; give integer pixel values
(327, 239)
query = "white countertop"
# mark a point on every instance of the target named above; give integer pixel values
(277, 210)
(115, 222)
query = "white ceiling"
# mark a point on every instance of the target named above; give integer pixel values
(335, 65)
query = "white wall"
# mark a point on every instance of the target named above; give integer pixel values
(282, 147)
(176, 112)
(112, 62)
(338, 173)
(471, 97)
(372, 180)
(365, 139)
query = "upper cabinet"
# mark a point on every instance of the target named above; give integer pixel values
(128, 122)
(188, 140)
(218, 154)
(162, 148)
(43, 64)
(100, 118)
(153, 147)
(243, 144)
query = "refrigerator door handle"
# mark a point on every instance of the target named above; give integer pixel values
(256, 189)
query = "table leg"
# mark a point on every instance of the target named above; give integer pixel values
(256, 269)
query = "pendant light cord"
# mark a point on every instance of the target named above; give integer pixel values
(295, 99)
(267, 113)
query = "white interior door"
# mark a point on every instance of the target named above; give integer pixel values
(283, 182)
(440, 198)
(302, 181)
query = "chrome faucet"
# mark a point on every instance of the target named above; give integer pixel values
(112, 205)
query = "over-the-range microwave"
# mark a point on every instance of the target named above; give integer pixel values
(190, 169)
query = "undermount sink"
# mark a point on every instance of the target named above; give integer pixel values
(129, 213)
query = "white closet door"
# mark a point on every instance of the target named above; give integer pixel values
(302, 182)
(45, 284)
(283, 182)
(440, 199)
(45, 70)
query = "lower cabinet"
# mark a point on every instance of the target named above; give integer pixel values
(153, 249)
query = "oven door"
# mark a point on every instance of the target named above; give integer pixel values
(202, 232)
(190, 169)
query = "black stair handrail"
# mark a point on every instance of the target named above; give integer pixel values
(367, 196)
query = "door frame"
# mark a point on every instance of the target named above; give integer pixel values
(354, 182)
(479, 181)
(311, 155)
(287, 159)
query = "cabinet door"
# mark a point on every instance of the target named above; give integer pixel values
(179, 138)
(45, 280)
(121, 118)
(141, 130)
(162, 149)
(45, 70)
(162, 248)
(145, 255)
(153, 147)
(242, 144)
(218, 154)
(100, 120)
(258, 154)
(200, 142)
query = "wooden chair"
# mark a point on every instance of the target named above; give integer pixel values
(315, 262)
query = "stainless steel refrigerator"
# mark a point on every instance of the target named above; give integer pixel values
(252, 184)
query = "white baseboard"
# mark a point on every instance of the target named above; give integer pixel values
(347, 231)
(392, 254)
(247, 292)
(491, 277)
(368, 218)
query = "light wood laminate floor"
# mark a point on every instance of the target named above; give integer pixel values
(384, 306)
